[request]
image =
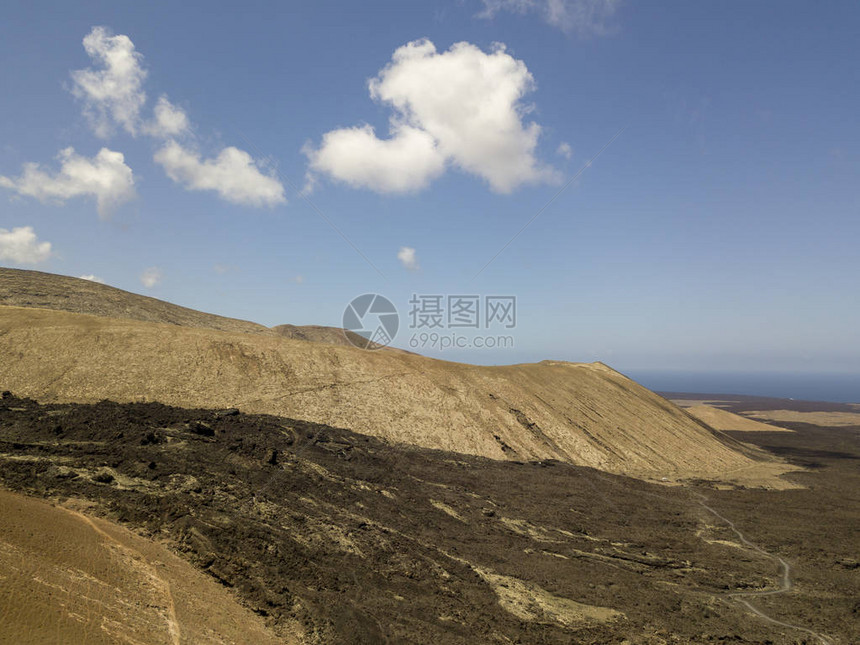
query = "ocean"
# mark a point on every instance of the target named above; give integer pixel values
(837, 388)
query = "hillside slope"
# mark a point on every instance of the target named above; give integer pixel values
(583, 414)
(72, 578)
(20, 288)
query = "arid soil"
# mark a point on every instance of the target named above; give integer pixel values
(72, 578)
(360, 541)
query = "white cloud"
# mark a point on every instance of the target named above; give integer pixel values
(21, 246)
(461, 107)
(92, 278)
(585, 17)
(114, 93)
(407, 161)
(233, 174)
(151, 277)
(408, 258)
(169, 120)
(105, 177)
(564, 150)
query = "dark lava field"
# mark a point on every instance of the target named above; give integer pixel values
(360, 541)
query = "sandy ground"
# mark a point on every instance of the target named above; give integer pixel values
(724, 420)
(831, 419)
(71, 578)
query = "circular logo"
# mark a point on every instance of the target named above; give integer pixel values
(370, 321)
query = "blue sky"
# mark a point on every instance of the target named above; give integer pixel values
(718, 231)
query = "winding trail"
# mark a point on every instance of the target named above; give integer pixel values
(785, 582)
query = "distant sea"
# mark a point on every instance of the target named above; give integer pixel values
(837, 388)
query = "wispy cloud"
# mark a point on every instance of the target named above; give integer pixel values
(168, 120)
(92, 278)
(151, 277)
(583, 17)
(105, 177)
(564, 150)
(460, 108)
(22, 246)
(113, 95)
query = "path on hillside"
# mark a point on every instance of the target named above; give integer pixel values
(147, 568)
(785, 582)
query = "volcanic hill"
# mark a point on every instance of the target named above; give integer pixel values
(69, 340)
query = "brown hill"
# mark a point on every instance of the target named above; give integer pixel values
(584, 414)
(19, 288)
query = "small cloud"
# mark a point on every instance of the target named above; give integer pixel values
(92, 278)
(21, 246)
(105, 177)
(299, 279)
(169, 120)
(564, 150)
(151, 277)
(408, 258)
(222, 269)
(584, 17)
(233, 175)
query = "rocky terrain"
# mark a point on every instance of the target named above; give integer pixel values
(335, 537)
(170, 476)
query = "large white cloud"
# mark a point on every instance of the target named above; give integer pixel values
(461, 107)
(21, 246)
(585, 17)
(233, 174)
(104, 177)
(114, 93)
(406, 161)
